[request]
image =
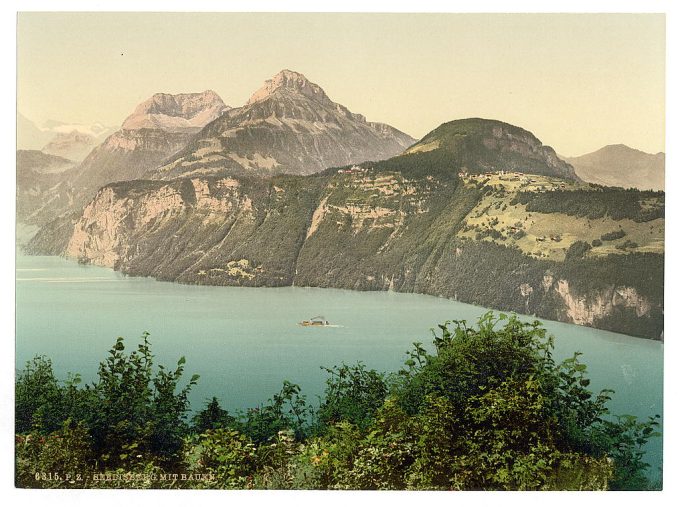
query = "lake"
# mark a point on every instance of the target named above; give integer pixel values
(245, 341)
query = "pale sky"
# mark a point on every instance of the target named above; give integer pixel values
(578, 82)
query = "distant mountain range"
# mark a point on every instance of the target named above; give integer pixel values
(30, 136)
(617, 165)
(43, 191)
(72, 145)
(69, 140)
(288, 126)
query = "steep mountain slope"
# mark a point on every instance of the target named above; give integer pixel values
(288, 126)
(41, 189)
(157, 128)
(477, 145)
(618, 165)
(543, 245)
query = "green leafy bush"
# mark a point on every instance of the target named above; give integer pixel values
(212, 417)
(352, 394)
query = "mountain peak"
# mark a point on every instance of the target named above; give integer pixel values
(479, 145)
(291, 81)
(176, 113)
(618, 165)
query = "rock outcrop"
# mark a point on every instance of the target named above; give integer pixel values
(184, 112)
(587, 309)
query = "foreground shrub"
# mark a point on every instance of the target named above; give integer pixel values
(488, 409)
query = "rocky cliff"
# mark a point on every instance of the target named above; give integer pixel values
(536, 243)
(184, 112)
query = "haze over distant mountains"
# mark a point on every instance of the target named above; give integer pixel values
(69, 140)
(618, 165)
(42, 190)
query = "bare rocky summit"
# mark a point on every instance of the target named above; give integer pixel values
(185, 112)
(158, 128)
(288, 126)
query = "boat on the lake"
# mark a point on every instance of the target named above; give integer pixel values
(315, 321)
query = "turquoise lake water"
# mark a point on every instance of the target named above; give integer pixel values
(245, 341)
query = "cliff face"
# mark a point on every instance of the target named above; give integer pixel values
(358, 229)
(424, 222)
(158, 128)
(127, 155)
(588, 309)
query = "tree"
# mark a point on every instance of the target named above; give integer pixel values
(38, 398)
(137, 407)
(212, 417)
(286, 410)
(577, 250)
